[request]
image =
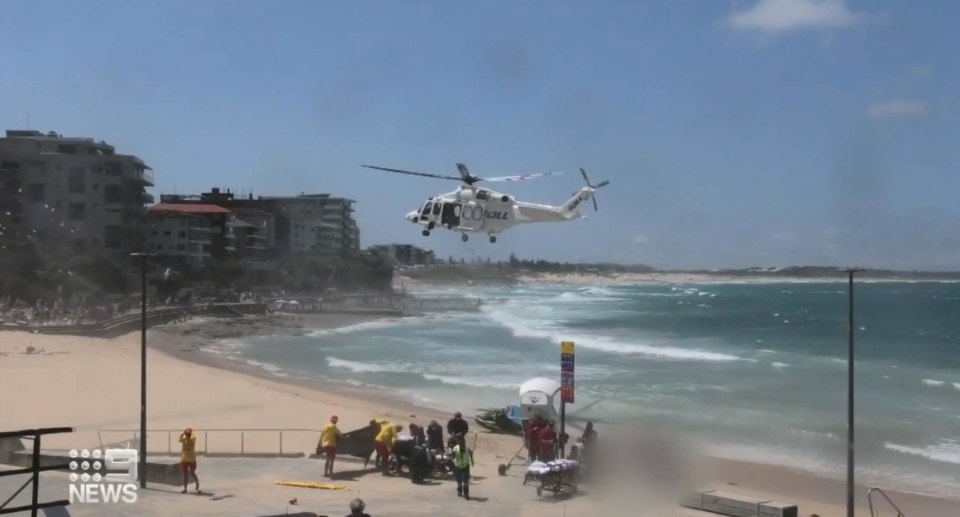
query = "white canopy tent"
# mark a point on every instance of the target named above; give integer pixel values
(539, 396)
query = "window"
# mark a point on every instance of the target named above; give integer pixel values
(114, 169)
(166, 233)
(9, 166)
(67, 149)
(181, 247)
(77, 211)
(112, 194)
(482, 195)
(182, 234)
(37, 192)
(436, 209)
(77, 180)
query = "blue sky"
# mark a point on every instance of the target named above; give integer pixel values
(735, 133)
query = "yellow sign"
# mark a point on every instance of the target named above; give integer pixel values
(566, 347)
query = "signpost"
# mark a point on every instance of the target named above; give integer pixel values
(566, 388)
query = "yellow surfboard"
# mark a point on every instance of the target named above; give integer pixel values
(312, 484)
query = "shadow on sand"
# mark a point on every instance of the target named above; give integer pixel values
(353, 475)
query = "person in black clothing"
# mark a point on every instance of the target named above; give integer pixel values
(435, 436)
(419, 464)
(457, 425)
(419, 438)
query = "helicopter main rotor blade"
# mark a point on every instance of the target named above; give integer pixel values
(523, 177)
(413, 173)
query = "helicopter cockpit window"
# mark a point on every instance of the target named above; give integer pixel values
(426, 209)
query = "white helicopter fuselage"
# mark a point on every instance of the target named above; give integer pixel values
(474, 209)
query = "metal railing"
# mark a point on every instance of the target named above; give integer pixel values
(34, 471)
(203, 441)
(878, 490)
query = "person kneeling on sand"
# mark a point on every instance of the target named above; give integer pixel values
(385, 442)
(356, 508)
(188, 458)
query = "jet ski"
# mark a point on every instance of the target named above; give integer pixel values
(501, 420)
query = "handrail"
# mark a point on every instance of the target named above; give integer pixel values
(206, 441)
(885, 496)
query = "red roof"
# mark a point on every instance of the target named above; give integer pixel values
(187, 208)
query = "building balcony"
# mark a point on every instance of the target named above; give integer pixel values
(143, 177)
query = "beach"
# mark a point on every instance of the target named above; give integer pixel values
(92, 384)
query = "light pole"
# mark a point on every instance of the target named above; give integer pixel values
(142, 470)
(850, 330)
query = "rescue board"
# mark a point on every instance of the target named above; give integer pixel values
(312, 484)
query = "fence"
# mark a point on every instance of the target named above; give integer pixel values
(34, 470)
(253, 442)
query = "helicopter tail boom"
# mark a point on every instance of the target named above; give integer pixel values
(571, 209)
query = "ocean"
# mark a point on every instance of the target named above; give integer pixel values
(756, 371)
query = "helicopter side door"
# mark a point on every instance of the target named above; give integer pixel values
(450, 214)
(471, 216)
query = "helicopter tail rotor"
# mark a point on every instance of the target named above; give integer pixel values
(586, 179)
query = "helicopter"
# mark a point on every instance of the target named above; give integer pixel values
(474, 209)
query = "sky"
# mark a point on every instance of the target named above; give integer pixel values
(734, 133)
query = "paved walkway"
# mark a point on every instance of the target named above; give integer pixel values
(245, 487)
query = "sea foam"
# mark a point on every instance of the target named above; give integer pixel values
(947, 452)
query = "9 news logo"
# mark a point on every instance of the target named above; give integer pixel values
(114, 476)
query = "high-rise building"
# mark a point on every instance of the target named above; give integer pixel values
(71, 195)
(316, 225)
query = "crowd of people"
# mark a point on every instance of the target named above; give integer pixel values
(543, 442)
(421, 450)
(76, 311)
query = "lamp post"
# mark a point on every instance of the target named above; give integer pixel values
(142, 470)
(850, 330)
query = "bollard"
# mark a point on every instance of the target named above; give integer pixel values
(241, 443)
(281, 444)
(205, 443)
(169, 447)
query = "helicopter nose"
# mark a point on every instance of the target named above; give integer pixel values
(412, 216)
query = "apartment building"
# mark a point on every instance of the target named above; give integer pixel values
(71, 195)
(316, 225)
(319, 225)
(405, 254)
(190, 234)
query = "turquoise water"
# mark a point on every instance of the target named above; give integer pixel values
(756, 371)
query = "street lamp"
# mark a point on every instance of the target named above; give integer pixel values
(850, 329)
(143, 367)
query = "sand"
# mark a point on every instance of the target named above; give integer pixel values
(93, 384)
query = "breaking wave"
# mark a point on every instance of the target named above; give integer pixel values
(524, 328)
(948, 452)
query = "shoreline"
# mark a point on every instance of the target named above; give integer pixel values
(194, 354)
(737, 468)
(296, 402)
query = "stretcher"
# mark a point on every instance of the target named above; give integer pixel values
(559, 476)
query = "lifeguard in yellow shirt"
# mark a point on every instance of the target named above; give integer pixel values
(385, 442)
(188, 458)
(328, 444)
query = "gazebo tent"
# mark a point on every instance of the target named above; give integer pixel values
(539, 396)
